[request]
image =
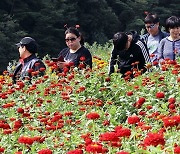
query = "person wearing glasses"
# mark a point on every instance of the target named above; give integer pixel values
(154, 35)
(169, 47)
(29, 65)
(129, 53)
(75, 54)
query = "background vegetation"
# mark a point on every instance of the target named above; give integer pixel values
(98, 19)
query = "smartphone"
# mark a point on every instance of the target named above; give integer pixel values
(60, 59)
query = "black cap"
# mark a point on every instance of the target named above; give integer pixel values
(30, 44)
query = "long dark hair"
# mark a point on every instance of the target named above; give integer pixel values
(76, 32)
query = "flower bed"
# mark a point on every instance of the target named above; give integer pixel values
(89, 112)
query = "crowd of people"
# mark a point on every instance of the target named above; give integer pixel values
(131, 51)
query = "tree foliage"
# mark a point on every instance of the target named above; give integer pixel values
(98, 19)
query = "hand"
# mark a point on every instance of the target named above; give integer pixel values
(62, 64)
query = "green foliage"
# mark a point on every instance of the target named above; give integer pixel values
(98, 19)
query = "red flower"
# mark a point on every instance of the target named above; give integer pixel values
(171, 106)
(8, 105)
(45, 151)
(2, 149)
(160, 95)
(26, 140)
(155, 63)
(42, 69)
(65, 69)
(139, 102)
(133, 119)
(76, 151)
(178, 79)
(177, 149)
(106, 123)
(94, 148)
(122, 152)
(39, 139)
(81, 65)
(69, 113)
(17, 124)
(154, 139)
(20, 110)
(7, 131)
(93, 116)
(129, 93)
(171, 121)
(109, 136)
(82, 58)
(122, 132)
(107, 79)
(172, 100)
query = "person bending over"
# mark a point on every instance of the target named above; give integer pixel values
(129, 53)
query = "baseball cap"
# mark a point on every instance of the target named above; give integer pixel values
(30, 44)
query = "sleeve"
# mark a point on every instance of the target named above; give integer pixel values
(160, 50)
(144, 51)
(144, 57)
(113, 61)
(62, 52)
(84, 56)
(88, 60)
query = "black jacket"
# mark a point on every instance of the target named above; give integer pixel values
(137, 52)
(21, 70)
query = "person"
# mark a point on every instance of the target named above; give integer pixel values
(154, 35)
(129, 53)
(169, 47)
(28, 61)
(75, 52)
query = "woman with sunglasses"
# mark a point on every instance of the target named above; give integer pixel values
(153, 36)
(75, 54)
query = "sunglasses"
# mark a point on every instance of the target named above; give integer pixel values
(20, 46)
(151, 26)
(70, 39)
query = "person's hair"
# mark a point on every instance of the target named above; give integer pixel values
(76, 32)
(32, 47)
(119, 40)
(151, 18)
(172, 22)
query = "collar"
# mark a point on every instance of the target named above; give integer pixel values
(25, 60)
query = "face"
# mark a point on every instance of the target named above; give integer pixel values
(72, 41)
(174, 32)
(21, 51)
(128, 42)
(152, 28)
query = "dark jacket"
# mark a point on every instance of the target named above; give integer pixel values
(124, 59)
(31, 62)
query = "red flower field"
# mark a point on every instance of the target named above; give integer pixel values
(83, 111)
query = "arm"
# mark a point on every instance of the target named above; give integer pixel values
(144, 51)
(88, 59)
(113, 61)
(160, 50)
